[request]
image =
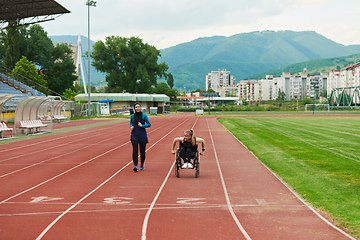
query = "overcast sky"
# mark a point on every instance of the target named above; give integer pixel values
(166, 23)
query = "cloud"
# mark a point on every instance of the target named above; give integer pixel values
(164, 23)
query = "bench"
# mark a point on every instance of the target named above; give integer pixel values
(58, 118)
(46, 118)
(4, 128)
(32, 124)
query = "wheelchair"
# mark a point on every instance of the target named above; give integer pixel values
(179, 162)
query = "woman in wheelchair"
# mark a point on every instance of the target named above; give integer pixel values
(188, 147)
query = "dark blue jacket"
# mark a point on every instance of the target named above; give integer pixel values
(139, 133)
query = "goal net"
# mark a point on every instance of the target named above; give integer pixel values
(317, 107)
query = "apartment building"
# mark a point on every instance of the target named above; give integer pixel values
(300, 86)
(229, 91)
(348, 75)
(265, 88)
(333, 80)
(218, 79)
(295, 86)
(248, 90)
(356, 81)
(282, 84)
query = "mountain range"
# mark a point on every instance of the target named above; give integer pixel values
(247, 54)
(244, 55)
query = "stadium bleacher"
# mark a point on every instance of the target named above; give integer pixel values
(19, 86)
(9, 85)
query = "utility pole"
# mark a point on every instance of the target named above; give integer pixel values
(93, 4)
(209, 84)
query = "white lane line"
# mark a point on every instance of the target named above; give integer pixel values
(82, 199)
(78, 202)
(133, 207)
(180, 205)
(63, 173)
(56, 146)
(58, 156)
(225, 190)
(54, 139)
(35, 164)
(296, 195)
(146, 219)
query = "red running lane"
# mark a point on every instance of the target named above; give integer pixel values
(105, 199)
(68, 188)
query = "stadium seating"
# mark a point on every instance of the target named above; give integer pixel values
(34, 125)
(58, 118)
(16, 87)
(4, 128)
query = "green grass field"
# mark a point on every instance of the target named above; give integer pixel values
(319, 157)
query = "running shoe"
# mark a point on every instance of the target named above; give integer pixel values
(135, 168)
(189, 165)
(142, 166)
(184, 165)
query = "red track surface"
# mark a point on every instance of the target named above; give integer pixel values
(80, 185)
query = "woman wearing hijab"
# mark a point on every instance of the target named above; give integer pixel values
(138, 122)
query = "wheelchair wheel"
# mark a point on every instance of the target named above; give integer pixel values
(177, 164)
(197, 165)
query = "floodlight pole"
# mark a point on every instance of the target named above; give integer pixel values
(93, 4)
(209, 85)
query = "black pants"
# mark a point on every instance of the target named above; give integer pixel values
(135, 145)
(186, 154)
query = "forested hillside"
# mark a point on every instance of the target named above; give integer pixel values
(247, 54)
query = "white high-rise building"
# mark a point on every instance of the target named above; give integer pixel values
(333, 80)
(218, 79)
(347, 75)
(356, 76)
(265, 88)
(248, 90)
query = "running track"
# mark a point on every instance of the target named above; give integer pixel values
(80, 185)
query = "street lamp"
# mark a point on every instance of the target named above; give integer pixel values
(93, 4)
(185, 97)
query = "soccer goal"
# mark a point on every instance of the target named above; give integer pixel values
(317, 107)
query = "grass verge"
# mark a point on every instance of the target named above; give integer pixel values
(318, 157)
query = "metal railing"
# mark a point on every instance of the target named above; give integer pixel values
(24, 84)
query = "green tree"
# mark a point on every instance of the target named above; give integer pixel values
(27, 69)
(12, 52)
(40, 47)
(172, 93)
(324, 93)
(2, 44)
(281, 95)
(70, 94)
(307, 101)
(170, 81)
(61, 74)
(161, 88)
(130, 64)
(197, 90)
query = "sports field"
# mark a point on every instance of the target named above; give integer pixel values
(317, 156)
(77, 182)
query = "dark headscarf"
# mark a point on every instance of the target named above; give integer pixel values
(137, 115)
